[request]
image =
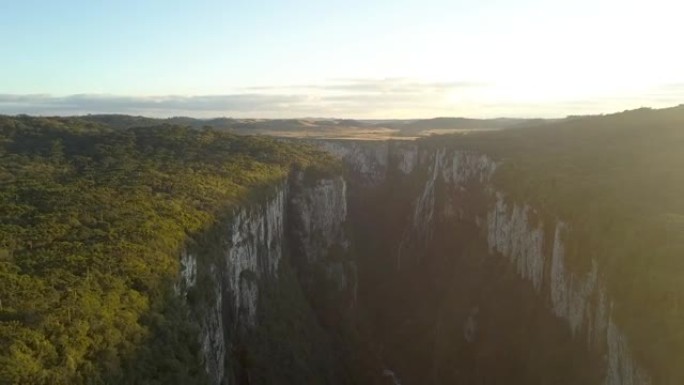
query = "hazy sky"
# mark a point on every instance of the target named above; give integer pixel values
(296, 58)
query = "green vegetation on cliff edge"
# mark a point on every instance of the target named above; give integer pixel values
(618, 182)
(91, 223)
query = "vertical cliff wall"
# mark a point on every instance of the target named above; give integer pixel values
(412, 264)
(442, 212)
(319, 241)
(236, 276)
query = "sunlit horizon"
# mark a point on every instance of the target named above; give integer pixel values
(360, 60)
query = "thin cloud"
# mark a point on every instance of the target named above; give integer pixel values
(676, 87)
(19, 99)
(351, 98)
(357, 97)
(152, 105)
(390, 85)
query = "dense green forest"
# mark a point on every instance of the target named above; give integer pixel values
(618, 181)
(94, 212)
(92, 218)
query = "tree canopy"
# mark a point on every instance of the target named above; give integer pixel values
(617, 181)
(92, 219)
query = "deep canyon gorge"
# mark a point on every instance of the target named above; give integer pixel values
(438, 275)
(548, 254)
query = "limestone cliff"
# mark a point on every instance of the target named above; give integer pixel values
(445, 182)
(318, 215)
(449, 269)
(223, 274)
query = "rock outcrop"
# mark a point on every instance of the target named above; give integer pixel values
(512, 230)
(252, 243)
(306, 222)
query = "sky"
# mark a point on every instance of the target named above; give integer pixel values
(346, 59)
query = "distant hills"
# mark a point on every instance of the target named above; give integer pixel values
(347, 128)
(315, 127)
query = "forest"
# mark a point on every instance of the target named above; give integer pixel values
(94, 214)
(617, 181)
(92, 220)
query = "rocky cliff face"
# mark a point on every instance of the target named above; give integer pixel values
(250, 249)
(223, 275)
(461, 283)
(579, 299)
(318, 214)
(514, 231)
(368, 161)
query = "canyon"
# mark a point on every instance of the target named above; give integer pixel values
(409, 267)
